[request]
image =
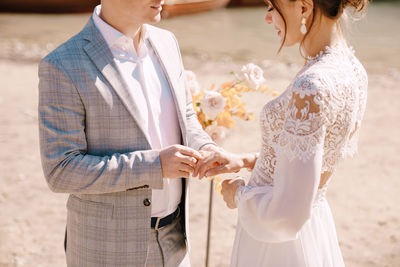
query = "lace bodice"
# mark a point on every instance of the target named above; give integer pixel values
(321, 109)
(306, 131)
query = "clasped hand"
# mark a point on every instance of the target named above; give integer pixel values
(180, 161)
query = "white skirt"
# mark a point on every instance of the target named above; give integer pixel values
(316, 245)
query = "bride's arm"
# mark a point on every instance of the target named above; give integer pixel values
(277, 213)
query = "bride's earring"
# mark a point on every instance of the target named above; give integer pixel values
(303, 28)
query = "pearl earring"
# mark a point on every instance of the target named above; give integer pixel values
(303, 28)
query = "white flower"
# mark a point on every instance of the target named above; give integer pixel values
(212, 104)
(192, 82)
(253, 75)
(217, 133)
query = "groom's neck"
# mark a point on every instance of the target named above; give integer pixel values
(122, 22)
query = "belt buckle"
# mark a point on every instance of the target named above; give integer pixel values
(157, 223)
(156, 227)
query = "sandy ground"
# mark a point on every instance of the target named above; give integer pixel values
(364, 194)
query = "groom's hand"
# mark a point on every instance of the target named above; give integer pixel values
(217, 162)
(178, 161)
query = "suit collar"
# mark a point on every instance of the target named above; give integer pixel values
(98, 51)
(173, 71)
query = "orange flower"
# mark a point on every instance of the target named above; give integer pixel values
(218, 184)
(226, 85)
(225, 119)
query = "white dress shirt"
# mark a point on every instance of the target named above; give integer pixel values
(151, 92)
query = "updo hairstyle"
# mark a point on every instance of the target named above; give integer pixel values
(332, 9)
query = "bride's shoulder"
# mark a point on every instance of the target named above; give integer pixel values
(337, 64)
(329, 72)
(313, 80)
(315, 88)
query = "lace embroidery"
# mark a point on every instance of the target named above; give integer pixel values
(303, 128)
(322, 108)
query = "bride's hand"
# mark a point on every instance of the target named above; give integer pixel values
(228, 191)
(217, 162)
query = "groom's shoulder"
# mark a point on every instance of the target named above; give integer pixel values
(72, 48)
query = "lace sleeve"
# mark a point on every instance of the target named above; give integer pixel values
(277, 213)
(306, 118)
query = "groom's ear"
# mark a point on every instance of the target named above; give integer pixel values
(307, 7)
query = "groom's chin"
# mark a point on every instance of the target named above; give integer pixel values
(155, 19)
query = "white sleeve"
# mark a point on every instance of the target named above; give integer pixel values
(277, 213)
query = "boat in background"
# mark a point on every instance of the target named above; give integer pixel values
(247, 3)
(174, 8)
(48, 6)
(171, 8)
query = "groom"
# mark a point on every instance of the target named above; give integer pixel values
(118, 133)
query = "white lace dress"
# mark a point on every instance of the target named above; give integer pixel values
(284, 218)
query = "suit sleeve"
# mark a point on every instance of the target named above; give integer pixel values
(67, 166)
(196, 136)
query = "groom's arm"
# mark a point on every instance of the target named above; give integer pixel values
(66, 163)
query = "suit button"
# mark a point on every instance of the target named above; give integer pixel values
(147, 202)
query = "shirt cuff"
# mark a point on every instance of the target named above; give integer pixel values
(239, 192)
(206, 144)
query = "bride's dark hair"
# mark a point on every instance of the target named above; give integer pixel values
(330, 8)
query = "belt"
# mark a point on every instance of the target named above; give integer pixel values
(159, 222)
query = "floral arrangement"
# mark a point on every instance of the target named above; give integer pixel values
(217, 107)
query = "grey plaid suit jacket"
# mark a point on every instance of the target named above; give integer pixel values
(94, 146)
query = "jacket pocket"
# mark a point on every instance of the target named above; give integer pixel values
(90, 209)
(89, 227)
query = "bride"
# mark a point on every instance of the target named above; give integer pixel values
(284, 218)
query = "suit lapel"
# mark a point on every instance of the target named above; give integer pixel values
(171, 71)
(100, 54)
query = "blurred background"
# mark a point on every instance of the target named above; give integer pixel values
(216, 37)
